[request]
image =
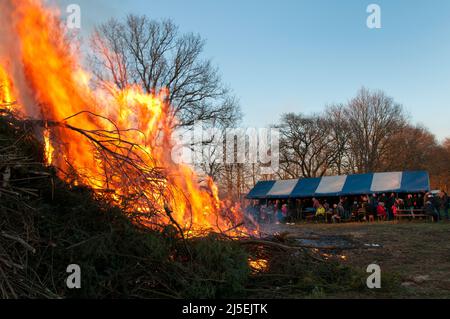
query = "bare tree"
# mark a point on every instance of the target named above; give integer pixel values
(238, 174)
(307, 146)
(371, 133)
(374, 119)
(154, 55)
(340, 134)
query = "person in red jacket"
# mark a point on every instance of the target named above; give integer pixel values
(394, 208)
(381, 211)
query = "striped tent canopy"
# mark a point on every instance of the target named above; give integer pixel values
(328, 186)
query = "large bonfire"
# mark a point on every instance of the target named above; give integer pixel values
(117, 142)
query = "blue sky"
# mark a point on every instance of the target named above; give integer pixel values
(298, 56)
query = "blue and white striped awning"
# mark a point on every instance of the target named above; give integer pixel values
(358, 184)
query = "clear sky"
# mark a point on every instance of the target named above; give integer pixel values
(298, 56)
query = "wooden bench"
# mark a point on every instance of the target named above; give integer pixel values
(313, 217)
(412, 213)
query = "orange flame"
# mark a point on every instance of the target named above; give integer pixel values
(5, 89)
(48, 147)
(52, 86)
(258, 264)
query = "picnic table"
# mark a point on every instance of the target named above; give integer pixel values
(411, 213)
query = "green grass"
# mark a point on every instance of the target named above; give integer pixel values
(409, 251)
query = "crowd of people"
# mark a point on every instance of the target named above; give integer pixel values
(369, 208)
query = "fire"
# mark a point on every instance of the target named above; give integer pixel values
(5, 89)
(118, 142)
(48, 147)
(258, 265)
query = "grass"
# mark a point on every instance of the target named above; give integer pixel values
(414, 256)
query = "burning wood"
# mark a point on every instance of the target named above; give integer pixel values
(118, 142)
(258, 264)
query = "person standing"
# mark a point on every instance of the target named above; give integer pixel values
(420, 201)
(284, 212)
(381, 211)
(430, 209)
(326, 205)
(279, 214)
(373, 205)
(355, 211)
(390, 202)
(341, 210)
(316, 204)
(448, 205)
(256, 207)
(443, 205)
(270, 212)
(382, 198)
(346, 204)
(409, 202)
(299, 209)
(394, 208)
(415, 201)
(263, 214)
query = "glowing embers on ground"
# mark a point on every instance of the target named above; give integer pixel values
(118, 142)
(329, 255)
(258, 264)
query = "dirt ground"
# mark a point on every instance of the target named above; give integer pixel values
(413, 256)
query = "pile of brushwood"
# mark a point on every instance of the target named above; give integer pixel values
(47, 224)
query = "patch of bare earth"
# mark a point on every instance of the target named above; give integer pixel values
(414, 256)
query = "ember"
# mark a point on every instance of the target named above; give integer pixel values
(258, 265)
(118, 142)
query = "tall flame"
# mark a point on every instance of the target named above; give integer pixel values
(5, 89)
(51, 85)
